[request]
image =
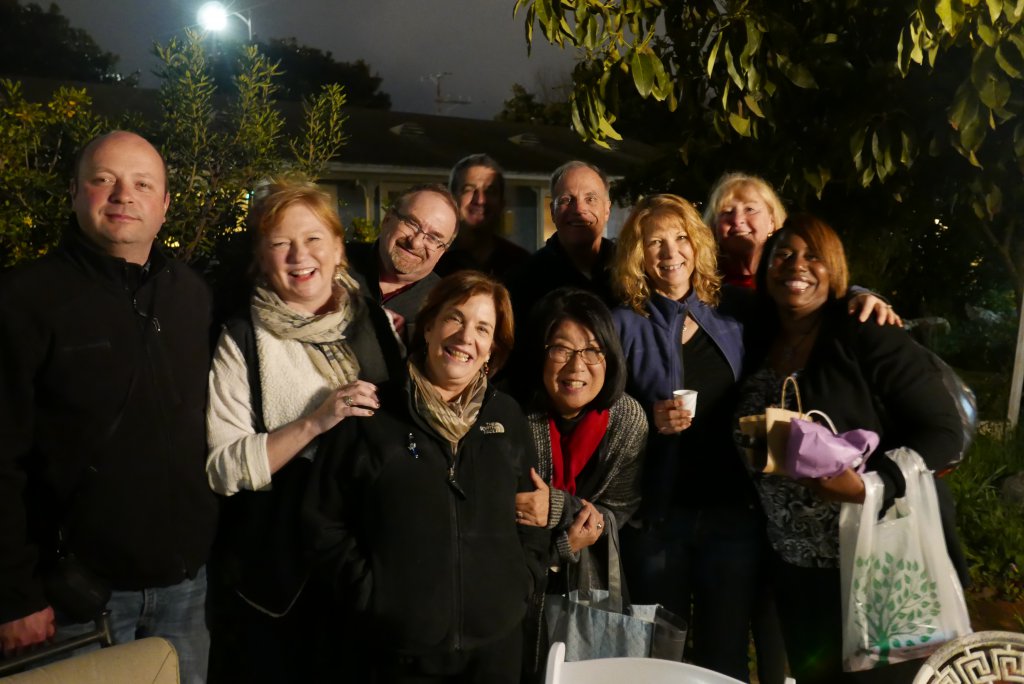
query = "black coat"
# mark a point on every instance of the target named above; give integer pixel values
(426, 569)
(103, 382)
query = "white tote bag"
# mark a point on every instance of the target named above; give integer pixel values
(901, 595)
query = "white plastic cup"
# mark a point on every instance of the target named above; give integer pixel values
(689, 400)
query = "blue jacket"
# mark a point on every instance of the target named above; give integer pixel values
(653, 357)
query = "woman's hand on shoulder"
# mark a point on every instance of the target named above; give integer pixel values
(670, 417)
(586, 527)
(532, 507)
(867, 304)
(846, 487)
(358, 399)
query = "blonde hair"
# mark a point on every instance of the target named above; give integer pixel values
(732, 184)
(631, 282)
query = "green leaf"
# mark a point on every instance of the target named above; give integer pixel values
(1009, 60)
(994, 202)
(988, 35)
(951, 14)
(753, 106)
(740, 124)
(730, 65)
(642, 66)
(902, 53)
(1018, 140)
(857, 146)
(798, 74)
(972, 135)
(964, 108)
(714, 52)
(994, 92)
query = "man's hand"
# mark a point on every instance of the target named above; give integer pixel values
(30, 630)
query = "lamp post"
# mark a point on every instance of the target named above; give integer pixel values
(213, 16)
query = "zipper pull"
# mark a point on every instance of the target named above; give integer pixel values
(453, 483)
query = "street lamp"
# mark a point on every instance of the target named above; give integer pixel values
(213, 16)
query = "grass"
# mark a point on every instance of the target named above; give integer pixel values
(991, 529)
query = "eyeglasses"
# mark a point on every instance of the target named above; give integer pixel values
(432, 242)
(591, 355)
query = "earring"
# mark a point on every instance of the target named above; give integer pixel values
(487, 369)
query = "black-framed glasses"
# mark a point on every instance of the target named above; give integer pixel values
(432, 242)
(591, 355)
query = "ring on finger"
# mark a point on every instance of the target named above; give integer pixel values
(348, 400)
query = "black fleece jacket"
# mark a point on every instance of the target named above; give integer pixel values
(426, 569)
(103, 381)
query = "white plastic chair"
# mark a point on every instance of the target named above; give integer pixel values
(983, 657)
(632, 670)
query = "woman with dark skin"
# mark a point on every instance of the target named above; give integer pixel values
(861, 375)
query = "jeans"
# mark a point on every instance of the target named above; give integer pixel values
(704, 565)
(176, 613)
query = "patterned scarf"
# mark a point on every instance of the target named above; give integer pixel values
(451, 419)
(581, 444)
(322, 335)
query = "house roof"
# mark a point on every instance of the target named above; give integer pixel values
(403, 140)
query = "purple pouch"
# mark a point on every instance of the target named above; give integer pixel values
(816, 451)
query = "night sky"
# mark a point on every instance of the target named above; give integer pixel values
(403, 41)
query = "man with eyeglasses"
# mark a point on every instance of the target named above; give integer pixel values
(578, 254)
(397, 271)
(477, 183)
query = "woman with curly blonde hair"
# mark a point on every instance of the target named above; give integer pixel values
(695, 544)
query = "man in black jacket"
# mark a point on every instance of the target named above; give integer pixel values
(578, 254)
(104, 355)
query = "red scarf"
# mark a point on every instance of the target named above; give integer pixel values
(583, 442)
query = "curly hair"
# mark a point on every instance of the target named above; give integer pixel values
(632, 283)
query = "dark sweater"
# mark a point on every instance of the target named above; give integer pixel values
(103, 381)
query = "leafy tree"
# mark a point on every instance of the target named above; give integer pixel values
(215, 156)
(303, 71)
(899, 118)
(218, 147)
(37, 145)
(523, 107)
(37, 42)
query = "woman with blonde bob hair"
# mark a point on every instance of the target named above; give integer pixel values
(695, 544)
(743, 210)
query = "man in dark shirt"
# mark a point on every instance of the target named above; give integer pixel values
(397, 271)
(477, 183)
(577, 254)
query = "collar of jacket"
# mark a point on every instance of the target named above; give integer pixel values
(670, 314)
(110, 270)
(604, 255)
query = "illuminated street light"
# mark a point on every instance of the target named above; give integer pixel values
(213, 16)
